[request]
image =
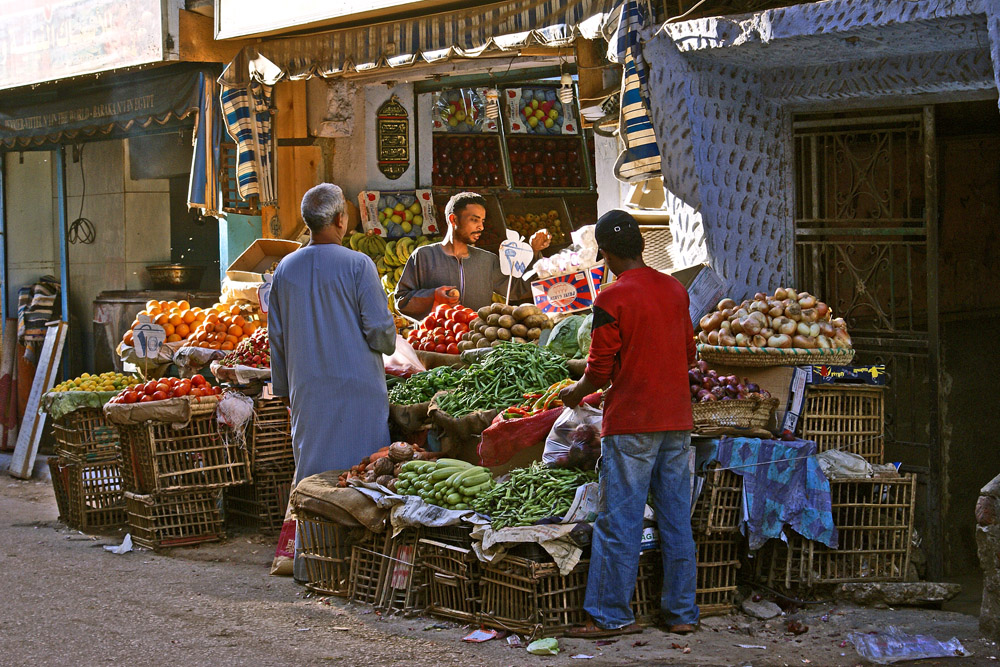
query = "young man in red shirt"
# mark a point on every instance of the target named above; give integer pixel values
(643, 343)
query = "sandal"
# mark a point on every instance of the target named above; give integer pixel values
(591, 630)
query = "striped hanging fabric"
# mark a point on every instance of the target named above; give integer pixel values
(203, 188)
(640, 160)
(247, 114)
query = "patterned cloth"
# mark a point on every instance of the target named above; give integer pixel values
(247, 114)
(203, 186)
(36, 305)
(640, 160)
(783, 484)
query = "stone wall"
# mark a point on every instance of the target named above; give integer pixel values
(988, 540)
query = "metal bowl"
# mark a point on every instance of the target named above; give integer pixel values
(175, 276)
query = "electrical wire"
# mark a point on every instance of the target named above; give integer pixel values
(81, 230)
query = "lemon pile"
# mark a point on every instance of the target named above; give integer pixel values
(109, 381)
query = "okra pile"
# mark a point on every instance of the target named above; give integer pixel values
(531, 494)
(503, 377)
(447, 483)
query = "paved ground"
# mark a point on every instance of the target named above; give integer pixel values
(67, 601)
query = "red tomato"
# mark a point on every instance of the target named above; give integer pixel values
(452, 348)
(129, 397)
(149, 387)
(163, 386)
(461, 328)
(197, 380)
(441, 348)
(450, 340)
(427, 346)
(441, 308)
(183, 388)
(218, 390)
(430, 323)
(146, 398)
(159, 395)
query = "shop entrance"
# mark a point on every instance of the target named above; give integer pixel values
(897, 225)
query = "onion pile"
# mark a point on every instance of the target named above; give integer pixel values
(708, 385)
(789, 319)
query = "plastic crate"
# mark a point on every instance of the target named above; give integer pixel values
(718, 564)
(85, 436)
(158, 458)
(874, 519)
(260, 506)
(89, 495)
(846, 417)
(531, 597)
(159, 521)
(327, 548)
(451, 572)
(719, 508)
(270, 439)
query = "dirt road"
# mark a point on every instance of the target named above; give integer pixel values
(65, 600)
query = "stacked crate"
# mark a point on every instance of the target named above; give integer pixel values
(174, 475)
(86, 474)
(261, 504)
(715, 522)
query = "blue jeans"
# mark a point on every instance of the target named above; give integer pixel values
(632, 467)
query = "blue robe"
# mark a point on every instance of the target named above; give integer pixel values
(328, 325)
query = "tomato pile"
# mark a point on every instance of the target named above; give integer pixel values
(254, 351)
(164, 388)
(442, 329)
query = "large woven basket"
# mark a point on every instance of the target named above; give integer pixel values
(772, 356)
(737, 413)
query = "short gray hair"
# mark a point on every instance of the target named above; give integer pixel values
(322, 204)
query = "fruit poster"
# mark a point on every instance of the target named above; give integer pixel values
(539, 111)
(569, 292)
(393, 215)
(463, 111)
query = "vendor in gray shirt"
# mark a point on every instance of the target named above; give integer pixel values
(454, 270)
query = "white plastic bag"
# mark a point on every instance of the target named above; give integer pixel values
(404, 361)
(575, 439)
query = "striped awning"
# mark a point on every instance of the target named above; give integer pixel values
(486, 30)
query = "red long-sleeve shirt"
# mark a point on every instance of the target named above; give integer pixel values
(643, 342)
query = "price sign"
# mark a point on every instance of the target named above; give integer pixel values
(148, 338)
(515, 255)
(264, 293)
(267, 391)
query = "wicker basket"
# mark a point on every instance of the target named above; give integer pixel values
(719, 508)
(85, 436)
(874, 519)
(846, 417)
(718, 562)
(772, 356)
(452, 573)
(402, 587)
(737, 413)
(260, 506)
(326, 551)
(531, 597)
(167, 520)
(158, 458)
(270, 439)
(59, 471)
(367, 569)
(92, 496)
(658, 253)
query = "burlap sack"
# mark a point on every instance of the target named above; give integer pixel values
(169, 410)
(434, 359)
(458, 432)
(409, 418)
(319, 495)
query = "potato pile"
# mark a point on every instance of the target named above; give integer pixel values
(498, 323)
(789, 319)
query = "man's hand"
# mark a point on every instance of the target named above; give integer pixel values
(572, 395)
(540, 240)
(447, 295)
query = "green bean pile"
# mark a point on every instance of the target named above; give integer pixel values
(531, 494)
(420, 387)
(503, 377)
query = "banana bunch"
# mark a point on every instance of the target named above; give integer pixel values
(390, 265)
(370, 244)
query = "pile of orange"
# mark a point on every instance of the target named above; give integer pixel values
(178, 319)
(222, 328)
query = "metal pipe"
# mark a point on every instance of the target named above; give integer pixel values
(63, 247)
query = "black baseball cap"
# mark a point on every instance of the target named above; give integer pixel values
(618, 232)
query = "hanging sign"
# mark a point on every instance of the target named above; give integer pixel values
(264, 293)
(515, 255)
(392, 137)
(148, 338)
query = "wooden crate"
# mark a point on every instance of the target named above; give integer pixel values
(846, 417)
(367, 570)
(451, 573)
(85, 436)
(259, 506)
(402, 587)
(89, 495)
(531, 597)
(270, 439)
(327, 548)
(158, 458)
(718, 563)
(874, 519)
(164, 520)
(719, 508)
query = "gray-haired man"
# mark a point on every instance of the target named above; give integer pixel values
(329, 325)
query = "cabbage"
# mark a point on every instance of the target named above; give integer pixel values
(563, 339)
(583, 335)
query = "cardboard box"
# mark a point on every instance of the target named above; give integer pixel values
(569, 292)
(705, 289)
(775, 380)
(258, 259)
(871, 375)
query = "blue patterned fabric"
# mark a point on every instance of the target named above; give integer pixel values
(784, 485)
(247, 114)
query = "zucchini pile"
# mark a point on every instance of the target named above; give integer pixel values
(447, 483)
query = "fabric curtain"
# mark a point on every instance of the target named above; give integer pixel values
(203, 187)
